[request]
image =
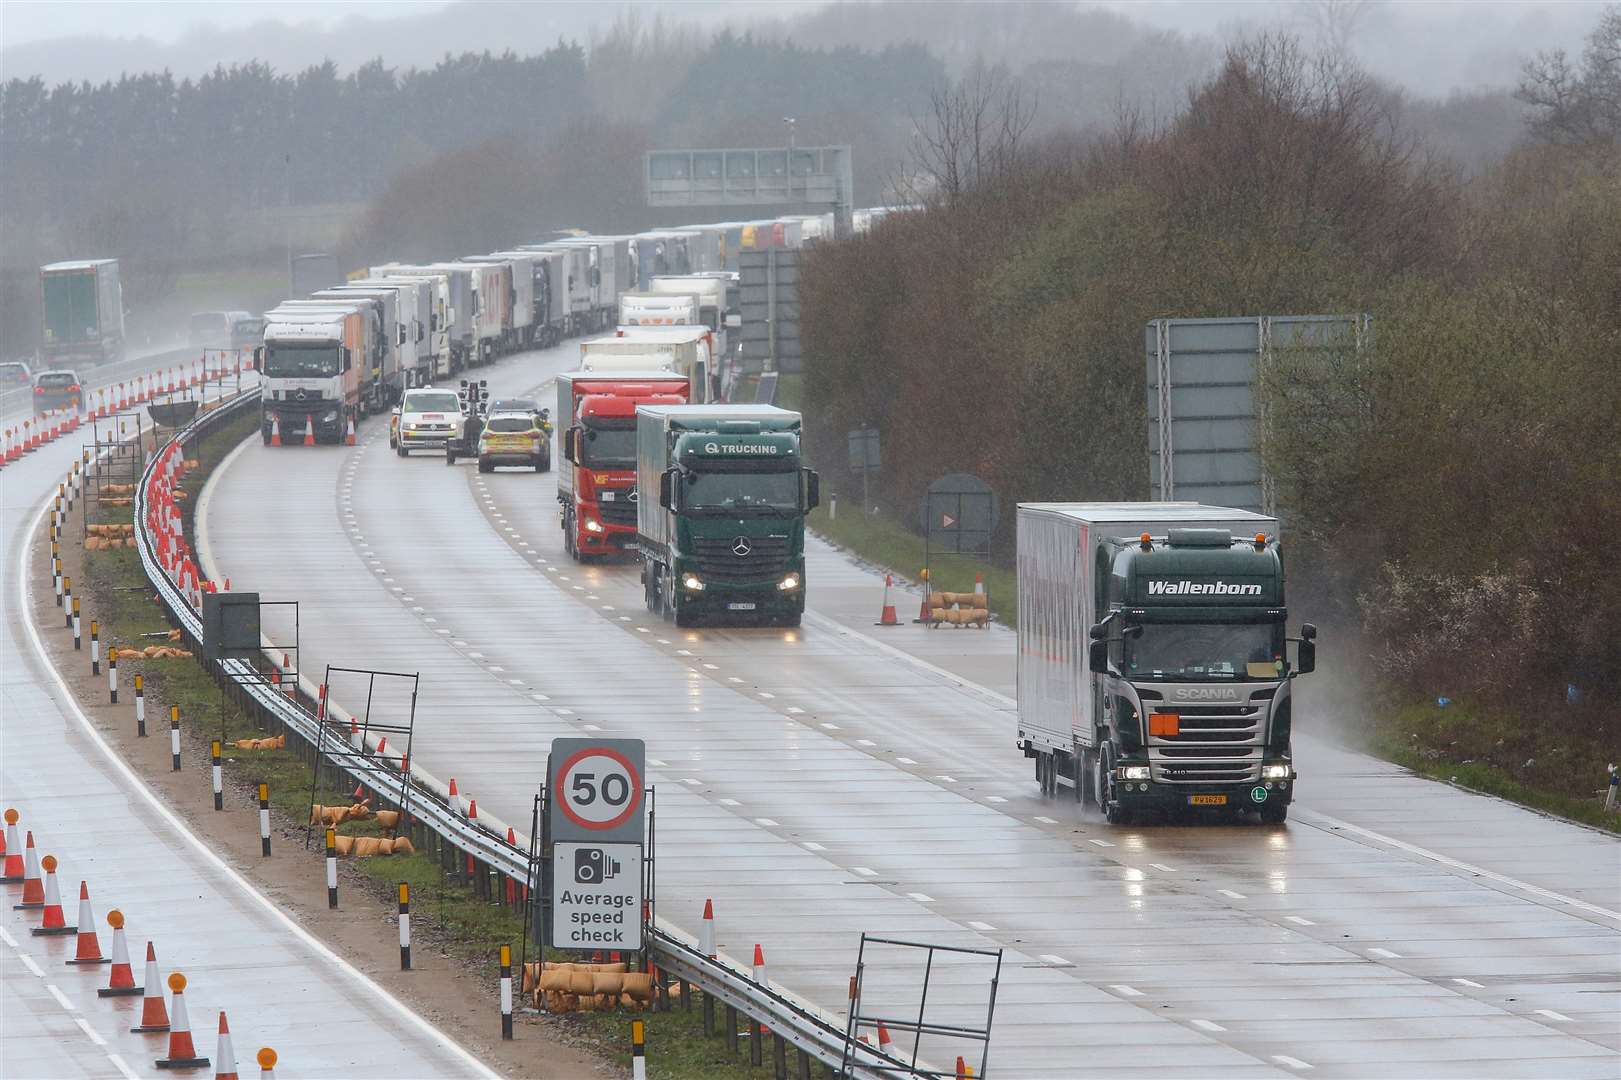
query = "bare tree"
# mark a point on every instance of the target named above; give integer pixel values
(969, 136)
(1578, 106)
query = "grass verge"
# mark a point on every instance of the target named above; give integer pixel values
(447, 912)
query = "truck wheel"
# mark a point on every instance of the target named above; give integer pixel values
(450, 457)
(1041, 772)
(683, 618)
(1113, 812)
(1084, 777)
(485, 466)
(1274, 814)
(265, 435)
(399, 448)
(545, 463)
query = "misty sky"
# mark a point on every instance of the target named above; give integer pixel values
(1430, 46)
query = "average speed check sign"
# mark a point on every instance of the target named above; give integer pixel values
(596, 790)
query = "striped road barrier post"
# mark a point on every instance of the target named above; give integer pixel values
(332, 868)
(112, 675)
(405, 926)
(140, 703)
(67, 603)
(264, 820)
(78, 640)
(219, 789)
(174, 738)
(95, 647)
(638, 1050)
(506, 991)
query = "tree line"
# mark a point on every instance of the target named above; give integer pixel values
(1450, 489)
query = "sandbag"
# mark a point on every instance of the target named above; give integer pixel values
(553, 981)
(638, 985)
(581, 982)
(607, 983)
(388, 819)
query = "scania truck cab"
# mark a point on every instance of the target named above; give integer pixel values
(725, 535)
(1153, 662)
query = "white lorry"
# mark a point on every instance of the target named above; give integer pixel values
(686, 350)
(1153, 672)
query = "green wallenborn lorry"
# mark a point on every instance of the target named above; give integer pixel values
(721, 518)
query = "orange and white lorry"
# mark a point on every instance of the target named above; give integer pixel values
(596, 472)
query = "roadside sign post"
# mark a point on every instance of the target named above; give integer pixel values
(865, 457)
(958, 515)
(596, 826)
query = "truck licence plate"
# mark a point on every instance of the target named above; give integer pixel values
(607, 496)
(740, 606)
(1207, 800)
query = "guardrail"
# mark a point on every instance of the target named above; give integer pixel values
(799, 1024)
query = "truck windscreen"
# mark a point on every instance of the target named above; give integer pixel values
(732, 491)
(1203, 651)
(610, 446)
(298, 362)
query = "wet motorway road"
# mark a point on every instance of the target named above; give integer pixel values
(239, 955)
(823, 781)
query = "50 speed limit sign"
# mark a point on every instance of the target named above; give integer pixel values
(595, 790)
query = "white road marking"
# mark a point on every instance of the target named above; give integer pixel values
(811, 845)
(1099, 843)
(61, 998)
(512, 682)
(767, 822)
(589, 727)
(1384, 954)
(865, 871)
(980, 926)
(922, 898)
(995, 799)
(830, 727)
(28, 962)
(1126, 991)
(1207, 1025)
(540, 697)
(1291, 1062)
(766, 695)
(118, 1063)
(733, 678)
(643, 630)
(1551, 1015)
(1467, 868)
(1054, 959)
(666, 641)
(1046, 820)
(796, 710)
(865, 742)
(1298, 921)
(905, 761)
(944, 779)
(730, 802)
(84, 1026)
(711, 667)
(458, 643)
(1162, 866)
(7, 938)
(1472, 984)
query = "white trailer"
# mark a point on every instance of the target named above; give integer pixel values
(684, 350)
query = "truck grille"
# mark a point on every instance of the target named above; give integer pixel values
(616, 512)
(767, 557)
(1214, 744)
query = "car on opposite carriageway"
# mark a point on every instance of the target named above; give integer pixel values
(423, 419)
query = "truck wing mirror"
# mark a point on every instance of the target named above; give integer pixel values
(571, 442)
(1306, 659)
(1308, 632)
(1097, 656)
(734, 320)
(813, 490)
(667, 489)
(259, 358)
(1099, 631)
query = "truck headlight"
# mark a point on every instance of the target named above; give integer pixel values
(1134, 772)
(789, 583)
(331, 414)
(1275, 772)
(692, 583)
(593, 525)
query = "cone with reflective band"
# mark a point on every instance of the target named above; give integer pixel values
(55, 925)
(121, 978)
(182, 1055)
(349, 436)
(309, 430)
(224, 1054)
(33, 886)
(154, 1016)
(89, 950)
(759, 965)
(887, 616)
(267, 1063)
(883, 1039)
(13, 874)
(706, 930)
(275, 430)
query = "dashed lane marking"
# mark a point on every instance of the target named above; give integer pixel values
(1163, 867)
(1470, 983)
(1298, 921)
(922, 898)
(1046, 820)
(1291, 1062)
(61, 998)
(982, 927)
(1551, 1015)
(1125, 991)
(1207, 1025)
(1384, 954)
(28, 962)
(1099, 843)
(84, 1026)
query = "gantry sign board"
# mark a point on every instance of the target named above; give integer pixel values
(596, 825)
(770, 176)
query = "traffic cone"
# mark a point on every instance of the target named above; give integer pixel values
(923, 604)
(182, 1055)
(349, 436)
(224, 1054)
(89, 950)
(883, 1039)
(54, 925)
(33, 888)
(962, 1068)
(979, 589)
(275, 430)
(154, 1017)
(887, 617)
(706, 930)
(309, 429)
(267, 1063)
(13, 873)
(456, 800)
(121, 979)
(759, 965)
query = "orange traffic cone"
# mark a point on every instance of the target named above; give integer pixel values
(224, 1054)
(706, 930)
(121, 979)
(979, 589)
(887, 617)
(33, 887)
(759, 965)
(275, 430)
(349, 436)
(923, 604)
(54, 925)
(182, 1055)
(309, 429)
(154, 1017)
(89, 950)
(13, 873)
(883, 1039)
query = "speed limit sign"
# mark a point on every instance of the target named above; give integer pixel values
(596, 789)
